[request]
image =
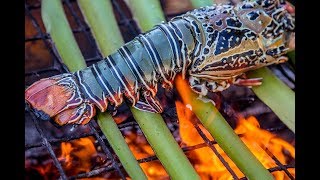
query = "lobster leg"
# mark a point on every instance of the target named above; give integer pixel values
(198, 86)
(248, 82)
(148, 103)
(243, 80)
(202, 87)
(216, 86)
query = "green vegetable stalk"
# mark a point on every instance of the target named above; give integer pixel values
(147, 13)
(101, 20)
(201, 3)
(152, 125)
(275, 94)
(221, 131)
(119, 146)
(58, 27)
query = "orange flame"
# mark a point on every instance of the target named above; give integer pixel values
(141, 149)
(76, 155)
(258, 141)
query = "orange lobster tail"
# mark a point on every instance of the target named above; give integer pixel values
(59, 97)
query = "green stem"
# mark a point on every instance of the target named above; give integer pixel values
(99, 16)
(58, 27)
(101, 20)
(152, 125)
(221, 131)
(147, 13)
(120, 147)
(201, 3)
(164, 145)
(275, 94)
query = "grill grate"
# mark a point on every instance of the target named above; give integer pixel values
(46, 140)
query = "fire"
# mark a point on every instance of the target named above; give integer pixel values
(259, 141)
(76, 156)
(141, 149)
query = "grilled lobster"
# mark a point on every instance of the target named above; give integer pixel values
(212, 46)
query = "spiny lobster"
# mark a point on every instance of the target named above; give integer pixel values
(212, 46)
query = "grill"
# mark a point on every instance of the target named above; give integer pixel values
(44, 61)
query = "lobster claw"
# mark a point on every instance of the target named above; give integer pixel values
(148, 103)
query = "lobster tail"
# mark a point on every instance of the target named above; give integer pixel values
(81, 114)
(59, 97)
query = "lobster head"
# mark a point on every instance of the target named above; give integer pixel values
(280, 29)
(59, 97)
(243, 37)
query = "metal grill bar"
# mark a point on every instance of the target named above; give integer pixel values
(52, 49)
(210, 145)
(95, 172)
(279, 163)
(41, 71)
(48, 147)
(124, 19)
(46, 36)
(70, 138)
(106, 149)
(273, 170)
(59, 67)
(66, 139)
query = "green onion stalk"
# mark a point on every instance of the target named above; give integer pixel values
(57, 26)
(151, 124)
(201, 3)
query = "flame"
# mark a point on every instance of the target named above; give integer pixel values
(141, 149)
(258, 141)
(76, 155)
(66, 149)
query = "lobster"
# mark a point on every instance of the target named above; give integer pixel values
(212, 46)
